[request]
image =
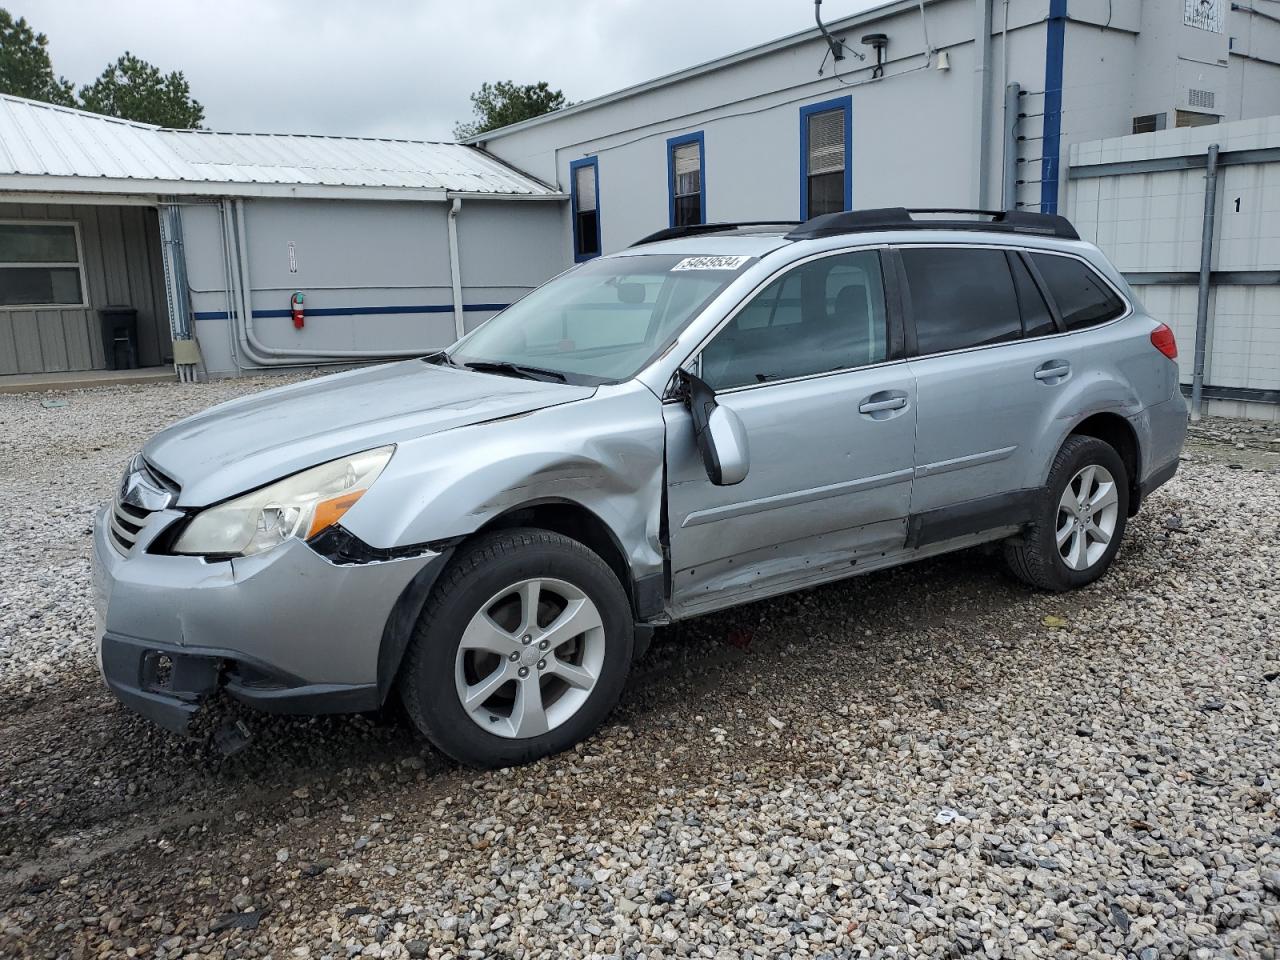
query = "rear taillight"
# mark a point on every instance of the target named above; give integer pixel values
(1163, 340)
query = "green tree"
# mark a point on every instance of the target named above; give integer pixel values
(133, 89)
(25, 68)
(502, 103)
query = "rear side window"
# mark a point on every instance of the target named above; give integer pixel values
(960, 297)
(1083, 298)
(1037, 321)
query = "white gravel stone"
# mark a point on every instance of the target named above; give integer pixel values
(965, 768)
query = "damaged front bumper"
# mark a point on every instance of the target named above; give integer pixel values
(286, 631)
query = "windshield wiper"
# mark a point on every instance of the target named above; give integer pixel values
(516, 370)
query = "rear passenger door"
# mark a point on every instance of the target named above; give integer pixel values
(981, 339)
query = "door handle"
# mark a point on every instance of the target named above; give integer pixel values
(1053, 370)
(887, 403)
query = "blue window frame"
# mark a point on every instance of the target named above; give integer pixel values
(686, 180)
(826, 153)
(584, 197)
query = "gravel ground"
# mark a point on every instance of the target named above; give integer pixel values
(927, 762)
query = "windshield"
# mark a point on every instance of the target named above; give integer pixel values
(602, 321)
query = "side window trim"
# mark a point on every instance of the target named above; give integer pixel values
(693, 361)
(1043, 287)
(906, 315)
(897, 305)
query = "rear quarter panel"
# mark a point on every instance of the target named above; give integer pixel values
(1115, 369)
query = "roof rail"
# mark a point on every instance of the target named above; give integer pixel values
(697, 229)
(901, 218)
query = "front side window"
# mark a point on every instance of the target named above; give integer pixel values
(1083, 298)
(960, 297)
(685, 180)
(827, 314)
(586, 208)
(602, 321)
(824, 157)
(39, 265)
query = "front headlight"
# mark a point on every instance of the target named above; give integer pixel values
(298, 506)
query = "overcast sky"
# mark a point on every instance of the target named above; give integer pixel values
(399, 68)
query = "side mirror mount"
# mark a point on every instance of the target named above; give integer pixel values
(720, 434)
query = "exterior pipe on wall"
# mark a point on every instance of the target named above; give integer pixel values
(455, 268)
(982, 99)
(263, 355)
(1009, 187)
(1206, 263)
(177, 292)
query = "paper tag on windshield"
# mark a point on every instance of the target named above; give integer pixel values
(710, 263)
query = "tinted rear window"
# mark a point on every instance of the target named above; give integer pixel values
(960, 297)
(1083, 297)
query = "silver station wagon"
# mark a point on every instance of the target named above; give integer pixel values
(718, 414)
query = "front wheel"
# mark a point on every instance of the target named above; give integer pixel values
(521, 651)
(1078, 529)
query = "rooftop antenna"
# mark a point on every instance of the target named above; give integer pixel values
(835, 46)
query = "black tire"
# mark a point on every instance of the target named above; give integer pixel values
(482, 568)
(1033, 556)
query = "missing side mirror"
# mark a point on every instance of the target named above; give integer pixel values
(719, 432)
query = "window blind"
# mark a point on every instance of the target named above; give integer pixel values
(826, 142)
(687, 160)
(586, 188)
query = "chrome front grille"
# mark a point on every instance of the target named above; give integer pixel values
(126, 524)
(142, 492)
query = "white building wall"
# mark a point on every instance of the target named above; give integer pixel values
(375, 275)
(913, 135)
(913, 131)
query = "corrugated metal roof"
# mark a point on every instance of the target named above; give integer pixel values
(64, 149)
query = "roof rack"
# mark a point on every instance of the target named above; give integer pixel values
(901, 218)
(697, 229)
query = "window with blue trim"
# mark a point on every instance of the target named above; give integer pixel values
(825, 145)
(686, 181)
(584, 191)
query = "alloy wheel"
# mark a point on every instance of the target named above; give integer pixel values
(1087, 515)
(530, 657)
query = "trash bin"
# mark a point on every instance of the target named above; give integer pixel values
(120, 337)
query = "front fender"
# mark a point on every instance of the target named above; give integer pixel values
(604, 453)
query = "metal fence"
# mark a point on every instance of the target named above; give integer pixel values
(1192, 218)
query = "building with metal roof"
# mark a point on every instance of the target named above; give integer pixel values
(123, 243)
(50, 148)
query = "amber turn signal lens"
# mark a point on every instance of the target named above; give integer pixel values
(328, 512)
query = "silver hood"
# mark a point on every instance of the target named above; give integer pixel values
(241, 445)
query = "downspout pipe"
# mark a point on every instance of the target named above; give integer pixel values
(1009, 180)
(1206, 263)
(982, 94)
(455, 269)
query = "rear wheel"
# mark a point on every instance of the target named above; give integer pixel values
(521, 651)
(1081, 522)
